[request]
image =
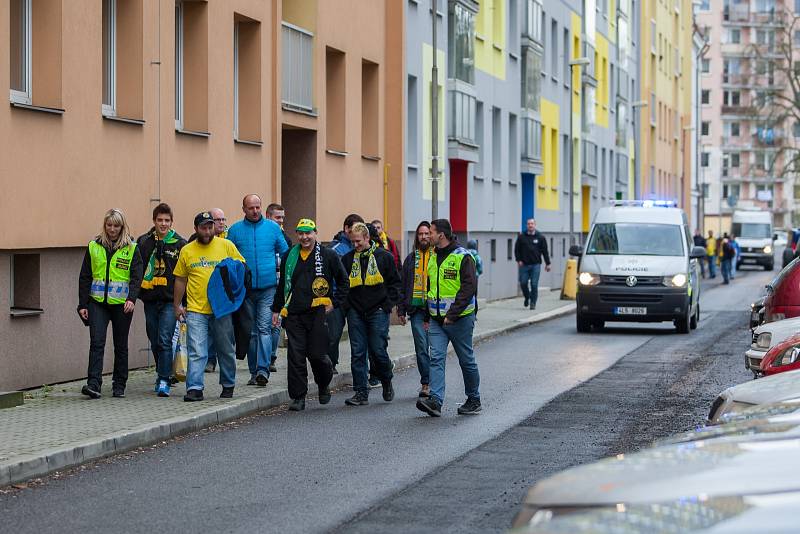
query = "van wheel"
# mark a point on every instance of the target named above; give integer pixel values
(682, 323)
(695, 318)
(582, 324)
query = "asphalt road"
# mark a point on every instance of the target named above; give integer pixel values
(552, 399)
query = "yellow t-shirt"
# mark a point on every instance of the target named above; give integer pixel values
(196, 262)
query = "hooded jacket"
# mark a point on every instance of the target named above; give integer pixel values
(259, 242)
(158, 280)
(341, 244)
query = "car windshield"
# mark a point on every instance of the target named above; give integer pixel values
(752, 230)
(636, 239)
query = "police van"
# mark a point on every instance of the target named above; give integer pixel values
(638, 264)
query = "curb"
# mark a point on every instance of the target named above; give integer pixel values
(37, 465)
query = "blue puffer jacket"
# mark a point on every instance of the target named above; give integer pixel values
(259, 243)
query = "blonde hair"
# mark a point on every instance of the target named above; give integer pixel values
(360, 228)
(116, 216)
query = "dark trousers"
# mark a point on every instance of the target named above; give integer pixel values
(99, 317)
(160, 325)
(307, 337)
(335, 323)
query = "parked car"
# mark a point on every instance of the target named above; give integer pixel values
(784, 356)
(783, 294)
(765, 337)
(757, 312)
(761, 411)
(771, 426)
(776, 388)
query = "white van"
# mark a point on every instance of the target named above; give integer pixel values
(639, 265)
(753, 231)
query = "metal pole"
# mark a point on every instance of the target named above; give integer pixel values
(434, 124)
(571, 166)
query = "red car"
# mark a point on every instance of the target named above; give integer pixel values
(783, 294)
(785, 356)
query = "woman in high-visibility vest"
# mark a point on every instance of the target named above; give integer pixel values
(108, 286)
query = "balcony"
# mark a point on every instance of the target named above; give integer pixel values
(736, 13)
(739, 109)
(739, 79)
(588, 160)
(531, 145)
(767, 137)
(461, 111)
(588, 70)
(297, 89)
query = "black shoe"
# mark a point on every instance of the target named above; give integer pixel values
(93, 392)
(273, 368)
(252, 381)
(324, 395)
(374, 382)
(471, 407)
(173, 380)
(388, 391)
(359, 399)
(430, 406)
(118, 392)
(227, 393)
(297, 405)
(526, 302)
(334, 370)
(533, 306)
(193, 395)
(210, 367)
(262, 381)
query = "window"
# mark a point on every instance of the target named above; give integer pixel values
(704, 127)
(705, 5)
(705, 96)
(496, 144)
(533, 20)
(622, 125)
(493, 249)
(797, 37)
(513, 148)
(509, 249)
(412, 128)
(706, 66)
(480, 139)
(735, 129)
(730, 190)
(554, 66)
(370, 108)
(704, 159)
(20, 45)
(109, 56)
(178, 65)
(461, 42)
(531, 81)
(796, 129)
(191, 67)
(25, 282)
(566, 56)
(335, 101)
(735, 160)
(735, 36)
(246, 79)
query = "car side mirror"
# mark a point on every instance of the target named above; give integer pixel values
(697, 253)
(576, 250)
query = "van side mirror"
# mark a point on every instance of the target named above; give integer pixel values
(576, 250)
(697, 253)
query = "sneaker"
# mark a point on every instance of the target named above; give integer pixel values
(193, 395)
(471, 407)
(525, 304)
(118, 392)
(262, 381)
(425, 391)
(334, 371)
(252, 381)
(430, 406)
(374, 382)
(297, 405)
(163, 388)
(227, 393)
(93, 392)
(388, 391)
(533, 306)
(324, 395)
(359, 399)
(273, 368)
(210, 367)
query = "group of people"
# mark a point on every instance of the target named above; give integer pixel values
(723, 252)
(235, 288)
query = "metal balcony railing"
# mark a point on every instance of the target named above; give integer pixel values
(461, 107)
(589, 158)
(531, 139)
(297, 87)
(736, 13)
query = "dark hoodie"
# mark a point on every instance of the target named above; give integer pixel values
(165, 257)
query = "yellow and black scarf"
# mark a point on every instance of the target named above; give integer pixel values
(373, 277)
(419, 294)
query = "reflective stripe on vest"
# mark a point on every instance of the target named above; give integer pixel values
(445, 282)
(119, 273)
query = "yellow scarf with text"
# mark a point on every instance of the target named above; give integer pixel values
(373, 277)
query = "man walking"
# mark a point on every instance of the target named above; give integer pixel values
(194, 268)
(529, 251)
(451, 300)
(160, 248)
(275, 212)
(260, 241)
(727, 254)
(412, 301)
(220, 230)
(736, 252)
(341, 246)
(313, 284)
(711, 252)
(699, 241)
(374, 289)
(387, 242)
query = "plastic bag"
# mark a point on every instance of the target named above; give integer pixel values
(180, 365)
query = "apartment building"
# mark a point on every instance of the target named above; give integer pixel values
(743, 140)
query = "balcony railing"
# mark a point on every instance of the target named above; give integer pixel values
(589, 158)
(461, 106)
(735, 78)
(531, 139)
(736, 13)
(298, 67)
(738, 109)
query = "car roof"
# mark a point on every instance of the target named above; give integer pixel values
(639, 214)
(774, 388)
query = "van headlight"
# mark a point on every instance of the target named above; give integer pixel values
(588, 279)
(678, 280)
(768, 250)
(764, 340)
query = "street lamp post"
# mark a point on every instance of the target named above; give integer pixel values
(576, 62)
(434, 124)
(637, 182)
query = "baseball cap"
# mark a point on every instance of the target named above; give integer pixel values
(202, 218)
(306, 225)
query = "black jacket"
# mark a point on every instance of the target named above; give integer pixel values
(303, 277)
(407, 291)
(168, 253)
(85, 278)
(531, 249)
(366, 299)
(469, 283)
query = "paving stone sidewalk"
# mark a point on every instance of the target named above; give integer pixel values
(57, 427)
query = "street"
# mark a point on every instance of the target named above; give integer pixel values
(552, 399)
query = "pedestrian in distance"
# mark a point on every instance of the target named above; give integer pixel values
(412, 306)
(387, 242)
(220, 230)
(530, 251)
(472, 248)
(159, 249)
(374, 289)
(341, 245)
(260, 240)
(736, 254)
(108, 286)
(452, 305)
(727, 254)
(195, 266)
(276, 213)
(313, 284)
(699, 241)
(711, 255)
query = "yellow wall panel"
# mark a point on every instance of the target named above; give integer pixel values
(490, 39)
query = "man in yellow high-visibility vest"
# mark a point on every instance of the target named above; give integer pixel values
(452, 304)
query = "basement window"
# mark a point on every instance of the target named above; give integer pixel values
(25, 285)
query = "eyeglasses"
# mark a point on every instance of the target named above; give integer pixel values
(220, 220)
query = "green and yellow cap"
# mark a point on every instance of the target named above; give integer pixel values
(306, 225)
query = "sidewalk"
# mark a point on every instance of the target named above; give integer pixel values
(57, 427)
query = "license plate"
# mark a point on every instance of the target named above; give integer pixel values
(630, 311)
(748, 260)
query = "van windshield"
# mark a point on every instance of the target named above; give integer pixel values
(636, 239)
(752, 230)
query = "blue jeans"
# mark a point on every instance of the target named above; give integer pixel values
(259, 353)
(529, 274)
(201, 327)
(712, 266)
(368, 333)
(335, 321)
(160, 325)
(726, 270)
(460, 335)
(421, 346)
